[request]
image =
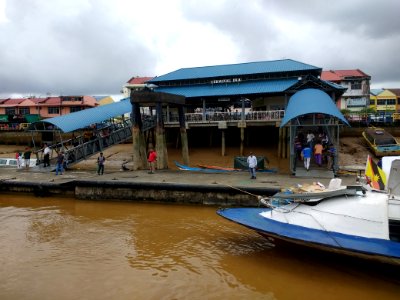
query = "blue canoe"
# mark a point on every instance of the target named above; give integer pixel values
(214, 169)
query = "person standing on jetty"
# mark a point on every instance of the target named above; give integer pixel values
(152, 158)
(18, 157)
(46, 156)
(306, 155)
(27, 157)
(318, 148)
(252, 163)
(100, 164)
(60, 162)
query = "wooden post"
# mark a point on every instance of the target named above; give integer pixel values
(280, 143)
(241, 141)
(139, 152)
(184, 139)
(223, 142)
(161, 145)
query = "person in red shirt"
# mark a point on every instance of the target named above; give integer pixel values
(152, 158)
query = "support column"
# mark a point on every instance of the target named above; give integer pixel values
(184, 139)
(223, 142)
(280, 143)
(161, 145)
(139, 148)
(204, 110)
(241, 141)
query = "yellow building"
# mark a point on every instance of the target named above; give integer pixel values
(383, 100)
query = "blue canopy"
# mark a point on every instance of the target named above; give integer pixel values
(311, 101)
(87, 117)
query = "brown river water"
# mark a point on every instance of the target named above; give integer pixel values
(62, 248)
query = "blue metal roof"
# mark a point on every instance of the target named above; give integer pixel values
(376, 92)
(285, 65)
(334, 85)
(311, 101)
(235, 88)
(84, 118)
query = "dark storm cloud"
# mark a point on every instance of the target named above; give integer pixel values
(45, 49)
(248, 23)
(372, 19)
(337, 34)
(90, 47)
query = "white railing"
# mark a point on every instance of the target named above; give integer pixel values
(271, 115)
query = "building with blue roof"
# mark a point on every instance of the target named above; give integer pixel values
(232, 104)
(267, 84)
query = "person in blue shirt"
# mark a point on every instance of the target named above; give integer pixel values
(306, 155)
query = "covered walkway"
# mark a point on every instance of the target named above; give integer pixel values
(96, 128)
(312, 111)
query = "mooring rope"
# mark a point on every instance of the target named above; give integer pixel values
(243, 191)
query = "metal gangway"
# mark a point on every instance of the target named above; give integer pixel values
(82, 147)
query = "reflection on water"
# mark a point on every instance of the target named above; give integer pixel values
(66, 249)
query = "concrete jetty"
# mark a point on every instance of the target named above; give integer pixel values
(165, 186)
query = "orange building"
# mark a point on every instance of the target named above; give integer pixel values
(27, 110)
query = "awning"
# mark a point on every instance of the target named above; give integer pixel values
(86, 117)
(311, 101)
(32, 118)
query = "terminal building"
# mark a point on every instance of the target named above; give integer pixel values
(244, 104)
(257, 104)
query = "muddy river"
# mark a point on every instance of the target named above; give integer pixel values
(61, 248)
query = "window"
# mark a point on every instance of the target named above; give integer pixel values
(72, 98)
(54, 110)
(391, 102)
(75, 108)
(356, 85)
(381, 102)
(10, 111)
(24, 111)
(387, 102)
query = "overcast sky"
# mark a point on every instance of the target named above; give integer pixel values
(92, 47)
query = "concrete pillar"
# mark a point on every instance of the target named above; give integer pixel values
(139, 150)
(223, 142)
(241, 141)
(282, 143)
(204, 110)
(161, 145)
(184, 139)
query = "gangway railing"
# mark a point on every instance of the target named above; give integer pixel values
(78, 149)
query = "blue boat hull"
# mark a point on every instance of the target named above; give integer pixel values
(369, 248)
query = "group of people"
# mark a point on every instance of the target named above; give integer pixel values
(23, 158)
(317, 147)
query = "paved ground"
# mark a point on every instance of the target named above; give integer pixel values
(235, 179)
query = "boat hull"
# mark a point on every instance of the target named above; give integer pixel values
(381, 150)
(367, 248)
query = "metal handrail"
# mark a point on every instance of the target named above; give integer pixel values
(262, 116)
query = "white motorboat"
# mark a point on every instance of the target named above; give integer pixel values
(358, 221)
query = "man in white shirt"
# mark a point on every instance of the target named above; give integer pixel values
(46, 156)
(252, 163)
